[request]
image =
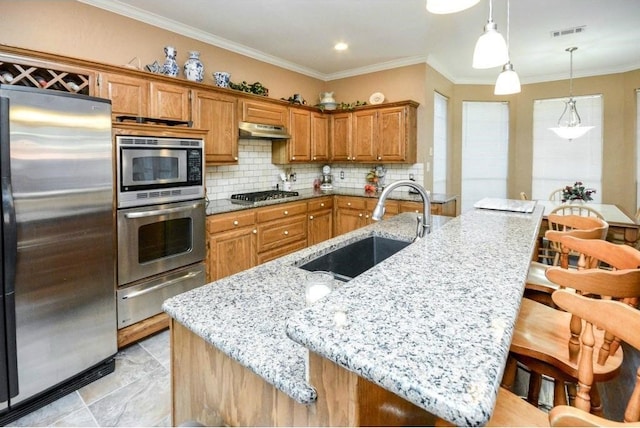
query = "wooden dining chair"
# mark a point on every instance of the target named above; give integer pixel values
(616, 317)
(524, 196)
(556, 195)
(537, 286)
(621, 320)
(577, 209)
(545, 339)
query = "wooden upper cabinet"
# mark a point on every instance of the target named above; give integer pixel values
(397, 139)
(129, 95)
(319, 137)
(300, 129)
(383, 134)
(217, 113)
(263, 112)
(365, 136)
(340, 138)
(169, 101)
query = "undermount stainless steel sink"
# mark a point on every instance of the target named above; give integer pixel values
(345, 263)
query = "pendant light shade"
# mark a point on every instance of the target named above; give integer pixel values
(449, 6)
(570, 124)
(491, 48)
(508, 81)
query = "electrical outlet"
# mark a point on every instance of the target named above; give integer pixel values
(341, 175)
(411, 177)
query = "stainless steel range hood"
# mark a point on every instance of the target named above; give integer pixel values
(260, 131)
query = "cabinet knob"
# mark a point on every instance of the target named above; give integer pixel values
(286, 232)
(235, 158)
(417, 211)
(367, 216)
(379, 157)
(360, 215)
(235, 222)
(348, 204)
(314, 158)
(293, 158)
(310, 217)
(286, 212)
(348, 157)
(255, 231)
(322, 204)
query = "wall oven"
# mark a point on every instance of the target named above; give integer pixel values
(160, 222)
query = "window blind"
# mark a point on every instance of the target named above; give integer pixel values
(440, 143)
(485, 151)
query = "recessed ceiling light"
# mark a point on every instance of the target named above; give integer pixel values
(341, 46)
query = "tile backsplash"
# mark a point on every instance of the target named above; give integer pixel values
(254, 171)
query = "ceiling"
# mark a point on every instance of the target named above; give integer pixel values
(299, 34)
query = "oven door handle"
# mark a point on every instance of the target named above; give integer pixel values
(158, 286)
(160, 212)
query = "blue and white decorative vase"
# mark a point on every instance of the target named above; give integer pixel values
(193, 68)
(170, 66)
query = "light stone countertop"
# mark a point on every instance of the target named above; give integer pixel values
(432, 323)
(219, 206)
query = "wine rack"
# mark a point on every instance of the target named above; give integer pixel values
(43, 77)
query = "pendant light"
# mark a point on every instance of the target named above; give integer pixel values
(508, 81)
(570, 124)
(441, 7)
(491, 49)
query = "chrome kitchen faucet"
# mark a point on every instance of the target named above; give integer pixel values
(424, 222)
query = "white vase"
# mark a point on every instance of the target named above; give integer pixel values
(193, 68)
(170, 66)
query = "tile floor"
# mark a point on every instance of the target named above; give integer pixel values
(137, 393)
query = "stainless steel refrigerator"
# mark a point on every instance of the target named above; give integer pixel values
(58, 309)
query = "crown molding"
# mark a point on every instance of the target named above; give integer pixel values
(388, 65)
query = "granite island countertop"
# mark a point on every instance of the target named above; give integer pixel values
(432, 323)
(219, 206)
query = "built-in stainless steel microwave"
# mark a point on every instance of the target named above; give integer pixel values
(155, 170)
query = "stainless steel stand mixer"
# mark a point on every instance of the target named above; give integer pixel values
(327, 178)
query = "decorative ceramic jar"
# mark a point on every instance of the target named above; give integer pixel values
(170, 66)
(193, 68)
(221, 78)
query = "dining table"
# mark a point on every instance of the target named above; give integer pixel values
(620, 224)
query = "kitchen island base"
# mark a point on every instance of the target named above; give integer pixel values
(211, 388)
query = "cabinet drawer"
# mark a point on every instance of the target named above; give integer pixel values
(352, 203)
(281, 211)
(281, 251)
(235, 220)
(278, 233)
(320, 204)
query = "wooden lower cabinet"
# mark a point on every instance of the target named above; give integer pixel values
(320, 220)
(353, 212)
(231, 243)
(214, 390)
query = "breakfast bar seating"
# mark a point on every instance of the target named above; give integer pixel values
(540, 337)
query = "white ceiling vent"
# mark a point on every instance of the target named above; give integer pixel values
(568, 31)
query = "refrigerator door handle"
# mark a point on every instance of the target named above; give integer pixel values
(10, 248)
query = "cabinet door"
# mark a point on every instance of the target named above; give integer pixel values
(300, 143)
(392, 140)
(263, 112)
(365, 134)
(231, 252)
(217, 113)
(340, 139)
(169, 102)
(319, 137)
(320, 226)
(129, 95)
(348, 220)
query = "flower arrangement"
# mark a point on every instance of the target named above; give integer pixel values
(577, 192)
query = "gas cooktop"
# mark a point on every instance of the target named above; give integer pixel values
(266, 195)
